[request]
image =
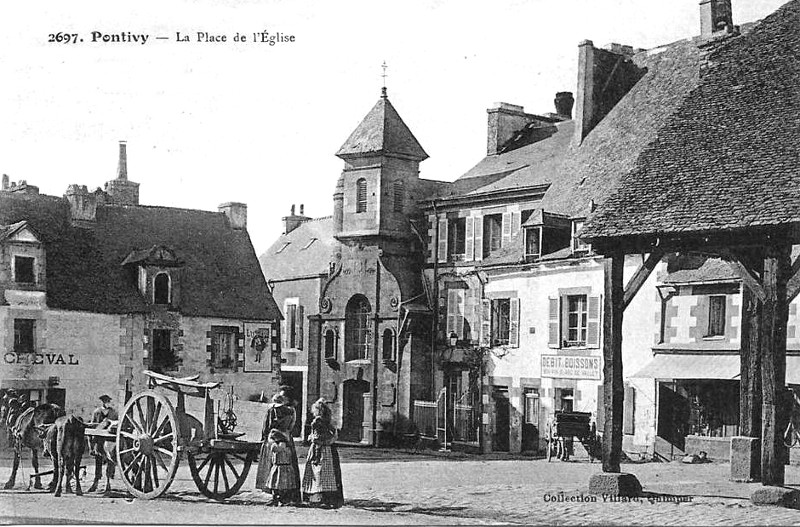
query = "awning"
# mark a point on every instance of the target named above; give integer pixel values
(706, 366)
(24, 384)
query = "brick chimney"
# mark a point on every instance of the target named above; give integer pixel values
(82, 205)
(504, 121)
(564, 102)
(236, 214)
(293, 221)
(121, 191)
(604, 77)
(716, 17)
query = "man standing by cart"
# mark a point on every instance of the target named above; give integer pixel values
(103, 416)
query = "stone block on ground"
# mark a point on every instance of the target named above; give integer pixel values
(745, 459)
(615, 484)
(779, 496)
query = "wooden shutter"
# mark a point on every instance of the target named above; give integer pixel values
(601, 409)
(628, 410)
(486, 323)
(300, 326)
(452, 311)
(593, 322)
(478, 220)
(443, 240)
(285, 328)
(554, 326)
(513, 323)
(506, 230)
(516, 218)
(469, 239)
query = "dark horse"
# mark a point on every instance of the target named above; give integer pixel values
(66, 440)
(27, 432)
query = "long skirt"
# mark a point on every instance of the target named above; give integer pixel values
(290, 474)
(322, 478)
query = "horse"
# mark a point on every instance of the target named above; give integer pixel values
(65, 443)
(26, 432)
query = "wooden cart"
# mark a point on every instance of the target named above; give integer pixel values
(566, 426)
(152, 434)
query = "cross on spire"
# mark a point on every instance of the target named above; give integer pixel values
(384, 67)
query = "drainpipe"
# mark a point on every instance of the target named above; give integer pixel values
(435, 325)
(375, 342)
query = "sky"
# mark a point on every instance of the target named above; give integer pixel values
(209, 122)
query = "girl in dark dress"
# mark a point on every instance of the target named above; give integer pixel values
(283, 483)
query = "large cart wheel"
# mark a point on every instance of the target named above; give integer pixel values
(219, 474)
(147, 445)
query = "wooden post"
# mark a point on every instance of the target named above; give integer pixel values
(613, 389)
(775, 315)
(750, 379)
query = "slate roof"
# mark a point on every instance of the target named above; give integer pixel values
(537, 152)
(729, 157)
(291, 256)
(220, 276)
(382, 131)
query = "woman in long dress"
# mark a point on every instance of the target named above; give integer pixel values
(322, 479)
(277, 438)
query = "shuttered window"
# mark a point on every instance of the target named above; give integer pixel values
(716, 316)
(456, 243)
(399, 195)
(361, 195)
(500, 322)
(492, 233)
(574, 321)
(455, 313)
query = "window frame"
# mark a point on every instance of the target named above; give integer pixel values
(582, 321)
(531, 394)
(357, 330)
(229, 360)
(291, 326)
(501, 321)
(579, 246)
(156, 289)
(456, 239)
(162, 357)
(717, 313)
(329, 337)
(361, 195)
(492, 233)
(388, 337)
(535, 233)
(28, 343)
(32, 261)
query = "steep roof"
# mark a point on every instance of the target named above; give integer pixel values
(592, 169)
(729, 157)
(220, 274)
(305, 251)
(382, 131)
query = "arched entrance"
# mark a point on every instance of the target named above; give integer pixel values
(353, 410)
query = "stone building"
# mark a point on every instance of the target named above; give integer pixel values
(354, 286)
(95, 288)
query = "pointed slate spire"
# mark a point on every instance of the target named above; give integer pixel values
(382, 131)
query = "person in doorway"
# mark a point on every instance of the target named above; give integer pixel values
(322, 479)
(280, 418)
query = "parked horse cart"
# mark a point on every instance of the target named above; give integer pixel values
(564, 427)
(152, 435)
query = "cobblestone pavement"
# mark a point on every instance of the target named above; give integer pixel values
(385, 487)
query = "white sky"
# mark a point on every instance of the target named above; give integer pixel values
(208, 123)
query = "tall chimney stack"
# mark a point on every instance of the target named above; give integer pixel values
(122, 164)
(716, 16)
(293, 221)
(236, 214)
(121, 191)
(504, 121)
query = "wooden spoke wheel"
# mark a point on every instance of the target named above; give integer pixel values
(220, 474)
(147, 445)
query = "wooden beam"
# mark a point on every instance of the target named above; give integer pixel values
(775, 316)
(750, 378)
(640, 277)
(751, 282)
(793, 287)
(613, 389)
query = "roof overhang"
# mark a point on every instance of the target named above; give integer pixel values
(493, 197)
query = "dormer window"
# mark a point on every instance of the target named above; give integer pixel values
(533, 243)
(161, 289)
(23, 270)
(361, 195)
(579, 245)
